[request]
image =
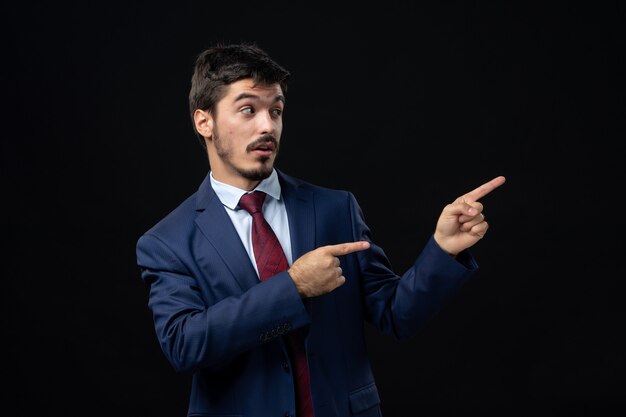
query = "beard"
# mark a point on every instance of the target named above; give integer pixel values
(224, 151)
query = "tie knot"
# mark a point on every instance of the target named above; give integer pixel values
(252, 202)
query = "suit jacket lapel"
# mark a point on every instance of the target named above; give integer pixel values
(301, 215)
(217, 227)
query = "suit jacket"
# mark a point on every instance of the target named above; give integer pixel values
(216, 320)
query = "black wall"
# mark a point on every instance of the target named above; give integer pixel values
(427, 101)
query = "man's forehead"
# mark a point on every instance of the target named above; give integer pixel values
(247, 87)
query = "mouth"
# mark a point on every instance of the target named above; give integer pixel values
(264, 147)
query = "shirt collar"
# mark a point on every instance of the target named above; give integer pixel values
(230, 195)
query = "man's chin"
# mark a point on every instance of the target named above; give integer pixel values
(258, 174)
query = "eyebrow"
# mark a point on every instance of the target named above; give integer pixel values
(243, 96)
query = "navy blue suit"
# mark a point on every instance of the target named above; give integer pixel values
(216, 320)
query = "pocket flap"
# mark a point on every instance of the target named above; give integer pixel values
(364, 398)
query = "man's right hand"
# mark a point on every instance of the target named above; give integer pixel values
(318, 272)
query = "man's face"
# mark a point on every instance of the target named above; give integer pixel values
(246, 133)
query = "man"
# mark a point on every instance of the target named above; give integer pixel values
(289, 341)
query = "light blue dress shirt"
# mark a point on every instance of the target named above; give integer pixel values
(273, 210)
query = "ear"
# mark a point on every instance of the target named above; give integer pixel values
(204, 123)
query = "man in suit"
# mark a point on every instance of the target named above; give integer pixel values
(217, 317)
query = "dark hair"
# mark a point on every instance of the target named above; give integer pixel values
(221, 65)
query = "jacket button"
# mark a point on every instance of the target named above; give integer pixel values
(285, 366)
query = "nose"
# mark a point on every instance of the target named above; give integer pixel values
(267, 125)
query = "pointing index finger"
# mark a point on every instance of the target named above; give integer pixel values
(484, 189)
(348, 247)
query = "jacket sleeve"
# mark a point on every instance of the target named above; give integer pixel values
(401, 305)
(194, 334)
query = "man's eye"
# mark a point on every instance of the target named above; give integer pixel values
(277, 112)
(247, 110)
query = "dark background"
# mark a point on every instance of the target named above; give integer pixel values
(425, 101)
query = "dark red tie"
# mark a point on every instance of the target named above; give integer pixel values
(271, 260)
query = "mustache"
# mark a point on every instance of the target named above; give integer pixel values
(261, 141)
